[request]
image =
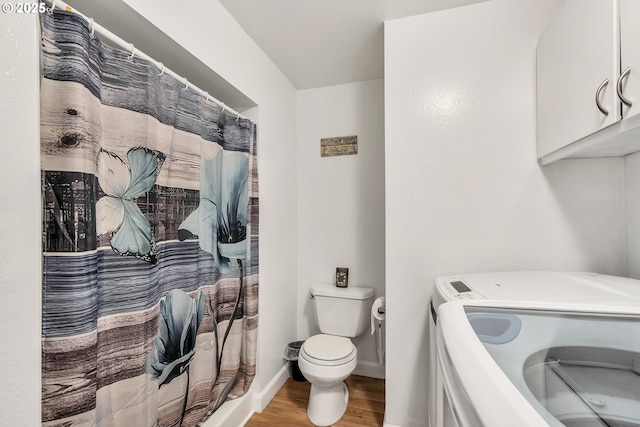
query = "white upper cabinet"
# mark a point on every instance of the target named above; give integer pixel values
(581, 84)
(576, 54)
(630, 54)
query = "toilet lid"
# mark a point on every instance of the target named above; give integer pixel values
(328, 347)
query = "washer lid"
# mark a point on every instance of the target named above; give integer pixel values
(328, 347)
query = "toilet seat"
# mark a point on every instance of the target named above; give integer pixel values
(328, 350)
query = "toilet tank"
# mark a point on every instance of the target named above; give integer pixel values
(342, 311)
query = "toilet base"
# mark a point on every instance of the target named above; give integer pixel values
(327, 404)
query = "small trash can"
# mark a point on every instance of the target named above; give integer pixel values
(291, 354)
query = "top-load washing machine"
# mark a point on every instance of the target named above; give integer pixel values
(571, 292)
(540, 364)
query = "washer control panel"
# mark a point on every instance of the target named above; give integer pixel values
(456, 289)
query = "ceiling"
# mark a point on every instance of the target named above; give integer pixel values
(319, 43)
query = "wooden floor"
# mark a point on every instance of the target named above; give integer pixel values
(289, 406)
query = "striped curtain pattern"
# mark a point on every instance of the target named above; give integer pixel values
(150, 240)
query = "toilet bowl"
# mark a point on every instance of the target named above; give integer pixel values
(326, 361)
(328, 358)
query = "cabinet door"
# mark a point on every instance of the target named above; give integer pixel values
(630, 54)
(576, 53)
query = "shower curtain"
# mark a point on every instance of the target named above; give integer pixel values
(150, 239)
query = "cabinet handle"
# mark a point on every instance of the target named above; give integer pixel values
(600, 89)
(624, 74)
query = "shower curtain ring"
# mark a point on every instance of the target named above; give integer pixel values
(223, 106)
(186, 85)
(52, 8)
(161, 68)
(92, 29)
(133, 52)
(207, 97)
(238, 117)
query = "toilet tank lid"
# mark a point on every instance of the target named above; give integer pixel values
(353, 292)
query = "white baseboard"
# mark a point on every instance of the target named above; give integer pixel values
(369, 369)
(238, 411)
(411, 424)
(262, 399)
(386, 424)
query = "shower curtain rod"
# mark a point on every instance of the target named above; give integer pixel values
(134, 52)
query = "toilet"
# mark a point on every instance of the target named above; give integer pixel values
(327, 359)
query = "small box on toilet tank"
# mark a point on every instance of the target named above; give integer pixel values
(342, 277)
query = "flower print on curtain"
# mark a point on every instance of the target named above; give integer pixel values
(220, 222)
(150, 239)
(175, 344)
(221, 218)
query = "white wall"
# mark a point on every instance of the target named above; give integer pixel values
(341, 199)
(464, 192)
(632, 163)
(20, 218)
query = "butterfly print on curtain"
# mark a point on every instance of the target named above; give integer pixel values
(117, 212)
